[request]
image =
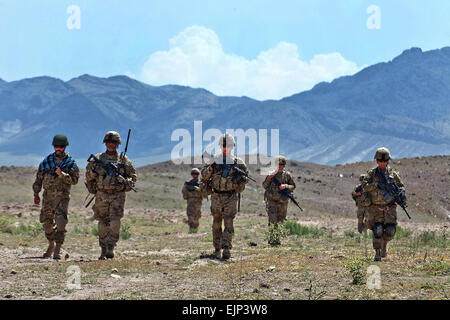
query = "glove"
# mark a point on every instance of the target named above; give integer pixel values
(360, 225)
(37, 200)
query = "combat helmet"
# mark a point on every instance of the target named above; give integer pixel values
(382, 154)
(112, 136)
(226, 140)
(282, 160)
(195, 170)
(60, 140)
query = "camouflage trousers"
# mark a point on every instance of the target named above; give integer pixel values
(54, 215)
(276, 210)
(108, 210)
(194, 212)
(382, 220)
(223, 208)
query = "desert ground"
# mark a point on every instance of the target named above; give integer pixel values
(322, 256)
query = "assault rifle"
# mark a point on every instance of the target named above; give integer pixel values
(191, 185)
(112, 170)
(285, 193)
(393, 190)
(237, 172)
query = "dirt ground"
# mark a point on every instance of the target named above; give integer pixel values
(161, 260)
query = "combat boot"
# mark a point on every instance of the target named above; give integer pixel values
(109, 252)
(384, 249)
(49, 252)
(226, 254)
(102, 255)
(377, 255)
(217, 254)
(56, 253)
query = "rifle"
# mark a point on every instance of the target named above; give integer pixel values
(238, 173)
(393, 190)
(111, 170)
(191, 185)
(285, 193)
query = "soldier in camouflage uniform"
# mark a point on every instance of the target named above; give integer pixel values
(56, 174)
(225, 186)
(276, 206)
(382, 213)
(362, 201)
(192, 193)
(109, 192)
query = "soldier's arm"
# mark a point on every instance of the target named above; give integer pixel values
(130, 171)
(71, 177)
(397, 179)
(206, 172)
(90, 174)
(37, 185)
(368, 184)
(266, 182)
(290, 183)
(184, 191)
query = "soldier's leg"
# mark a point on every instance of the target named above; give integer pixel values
(116, 213)
(272, 212)
(196, 213)
(61, 222)
(390, 227)
(282, 211)
(229, 213)
(216, 211)
(271, 208)
(190, 211)
(360, 213)
(46, 217)
(101, 214)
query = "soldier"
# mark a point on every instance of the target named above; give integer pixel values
(109, 192)
(192, 193)
(56, 174)
(226, 184)
(276, 205)
(362, 201)
(382, 212)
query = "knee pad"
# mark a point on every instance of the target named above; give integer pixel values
(378, 230)
(389, 230)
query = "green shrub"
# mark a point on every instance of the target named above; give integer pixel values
(294, 228)
(355, 266)
(274, 234)
(125, 231)
(433, 239)
(402, 233)
(94, 230)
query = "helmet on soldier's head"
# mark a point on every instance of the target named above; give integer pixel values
(60, 140)
(361, 177)
(195, 170)
(112, 136)
(281, 160)
(382, 154)
(226, 140)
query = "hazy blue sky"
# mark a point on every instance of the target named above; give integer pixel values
(278, 46)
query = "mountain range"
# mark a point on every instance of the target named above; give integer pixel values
(403, 104)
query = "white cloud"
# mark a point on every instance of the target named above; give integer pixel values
(196, 59)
